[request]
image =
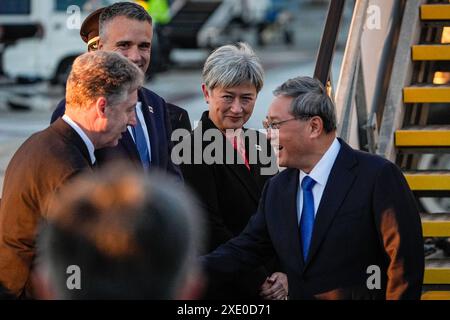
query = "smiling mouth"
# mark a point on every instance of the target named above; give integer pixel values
(140, 66)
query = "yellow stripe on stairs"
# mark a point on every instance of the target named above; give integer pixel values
(435, 224)
(427, 94)
(428, 136)
(436, 295)
(427, 181)
(425, 52)
(435, 12)
(437, 271)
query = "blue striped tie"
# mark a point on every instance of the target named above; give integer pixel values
(307, 219)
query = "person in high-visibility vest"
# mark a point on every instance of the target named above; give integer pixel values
(159, 10)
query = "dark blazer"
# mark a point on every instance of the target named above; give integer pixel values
(159, 130)
(37, 170)
(367, 216)
(229, 193)
(179, 118)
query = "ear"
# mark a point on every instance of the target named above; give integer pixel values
(316, 125)
(100, 107)
(205, 92)
(100, 44)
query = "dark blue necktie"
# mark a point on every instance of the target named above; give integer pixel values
(141, 144)
(307, 219)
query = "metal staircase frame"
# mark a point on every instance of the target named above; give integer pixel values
(351, 81)
(401, 77)
(391, 139)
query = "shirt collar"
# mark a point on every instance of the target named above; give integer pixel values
(322, 169)
(139, 117)
(84, 137)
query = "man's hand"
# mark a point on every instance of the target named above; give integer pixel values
(275, 287)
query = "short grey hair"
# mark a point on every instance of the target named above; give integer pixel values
(101, 74)
(310, 99)
(126, 9)
(134, 236)
(297, 86)
(232, 65)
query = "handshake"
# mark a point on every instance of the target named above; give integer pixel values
(275, 287)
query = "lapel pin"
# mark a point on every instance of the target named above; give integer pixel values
(150, 108)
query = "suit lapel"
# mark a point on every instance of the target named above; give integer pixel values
(240, 171)
(247, 177)
(339, 183)
(151, 127)
(129, 144)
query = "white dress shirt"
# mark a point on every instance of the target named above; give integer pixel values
(140, 118)
(320, 174)
(83, 136)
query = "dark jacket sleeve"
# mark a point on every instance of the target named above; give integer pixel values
(200, 178)
(59, 111)
(20, 215)
(252, 248)
(400, 230)
(179, 118)
(171, 167)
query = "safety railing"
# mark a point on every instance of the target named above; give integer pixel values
(351, 101)
(328, 41)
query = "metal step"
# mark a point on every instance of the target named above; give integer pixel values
(428, 52)
(435, 12)
(427, 94)
(428, 181)
(435, 224)
(423, 136)
(437, 271)
(436, 295)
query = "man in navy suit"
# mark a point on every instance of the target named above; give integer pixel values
(126, 28)
(343, 223)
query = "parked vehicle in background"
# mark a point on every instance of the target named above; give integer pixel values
(14, 22)
(45, 37)
(211, 23)
(41, 37)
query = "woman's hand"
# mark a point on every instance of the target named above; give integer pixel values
(275, 287)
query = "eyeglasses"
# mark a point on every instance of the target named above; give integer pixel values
(275, 125)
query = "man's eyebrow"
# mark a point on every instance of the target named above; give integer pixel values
(123, 42)
(236, 94)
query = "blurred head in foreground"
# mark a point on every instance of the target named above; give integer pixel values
(126, 235)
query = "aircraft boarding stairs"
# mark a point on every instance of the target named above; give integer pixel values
(421, 145)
